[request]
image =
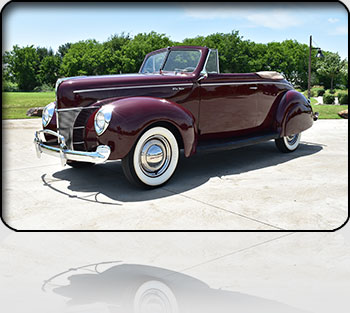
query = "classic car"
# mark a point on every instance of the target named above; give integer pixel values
(178, 100)
(138, 288)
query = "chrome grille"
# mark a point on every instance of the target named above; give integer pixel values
(66, 121)
(79, 128)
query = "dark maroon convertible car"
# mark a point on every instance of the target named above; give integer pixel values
(178, 100)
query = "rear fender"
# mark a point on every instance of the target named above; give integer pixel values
(294, 114)
(132, 116)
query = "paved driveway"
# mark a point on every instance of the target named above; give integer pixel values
(252, 188)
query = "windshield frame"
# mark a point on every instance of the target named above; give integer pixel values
(203, 54)
(153, 53)
(204, 69)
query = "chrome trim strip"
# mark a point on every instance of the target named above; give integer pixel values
(99, 156)
(78, 142)
(131, 87)
(217, 60)
(78, 109)
(61, 80)
(245, 83)
(78, 127)
(57, 123)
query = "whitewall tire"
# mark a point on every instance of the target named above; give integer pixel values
(288, 143)
(153, 159)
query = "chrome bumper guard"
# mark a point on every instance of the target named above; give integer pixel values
(315, 116)
(99, 156)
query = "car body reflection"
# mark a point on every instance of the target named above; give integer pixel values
(134, 288)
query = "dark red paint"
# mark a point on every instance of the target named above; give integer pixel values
(208, 109)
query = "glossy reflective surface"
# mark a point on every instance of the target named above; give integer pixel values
(197, 108)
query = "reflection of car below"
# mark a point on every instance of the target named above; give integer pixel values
(131, 288)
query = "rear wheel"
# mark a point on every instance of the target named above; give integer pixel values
(288, 144)
(153, 159)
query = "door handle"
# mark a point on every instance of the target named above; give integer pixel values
(254, 87)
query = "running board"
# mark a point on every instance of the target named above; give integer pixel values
(234, 143)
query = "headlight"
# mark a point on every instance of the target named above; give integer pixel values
(48, 112)
(102, 119)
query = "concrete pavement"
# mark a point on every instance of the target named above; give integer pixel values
(252, 188)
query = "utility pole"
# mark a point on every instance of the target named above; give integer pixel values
(309, 77)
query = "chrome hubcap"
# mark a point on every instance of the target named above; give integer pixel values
(155, 156)
(292, 139)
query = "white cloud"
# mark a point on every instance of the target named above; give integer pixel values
(333, 20)
(275, 19)
(209, 13)
(341, 30)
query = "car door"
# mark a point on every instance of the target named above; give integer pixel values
(227, 104)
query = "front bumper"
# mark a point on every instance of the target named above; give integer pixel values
(99, 156)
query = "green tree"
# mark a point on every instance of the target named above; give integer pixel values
(63, 49)
(233, 56)
(134, 51)
(84, 58)
(331, 66)
(44, 52)
(23, 66)
(113, 52)
(49, 70)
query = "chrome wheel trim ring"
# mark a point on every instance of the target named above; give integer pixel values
(292, 141)
(155, 156)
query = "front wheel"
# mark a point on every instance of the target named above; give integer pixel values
(153, 159)
(288, 143)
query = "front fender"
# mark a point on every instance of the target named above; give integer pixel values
(293, 115)
(132, 116)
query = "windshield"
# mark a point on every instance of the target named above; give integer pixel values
(182, 61)
(154, 63)
(176, 61)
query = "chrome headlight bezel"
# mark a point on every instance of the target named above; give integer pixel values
(102, 119)
(48, 113)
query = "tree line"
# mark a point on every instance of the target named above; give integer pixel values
(37, 68)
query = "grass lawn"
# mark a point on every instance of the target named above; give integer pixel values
(313, 101)
(328, 111)
(16, 104)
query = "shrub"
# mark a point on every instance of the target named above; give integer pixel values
(343, 97)
(328, 98)
(321, 92)
(318, 91)
(8, 86)
(312, 93)
(44, 87)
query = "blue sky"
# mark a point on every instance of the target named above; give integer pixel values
(50, 25)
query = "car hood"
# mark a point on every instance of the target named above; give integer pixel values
(84, 90)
